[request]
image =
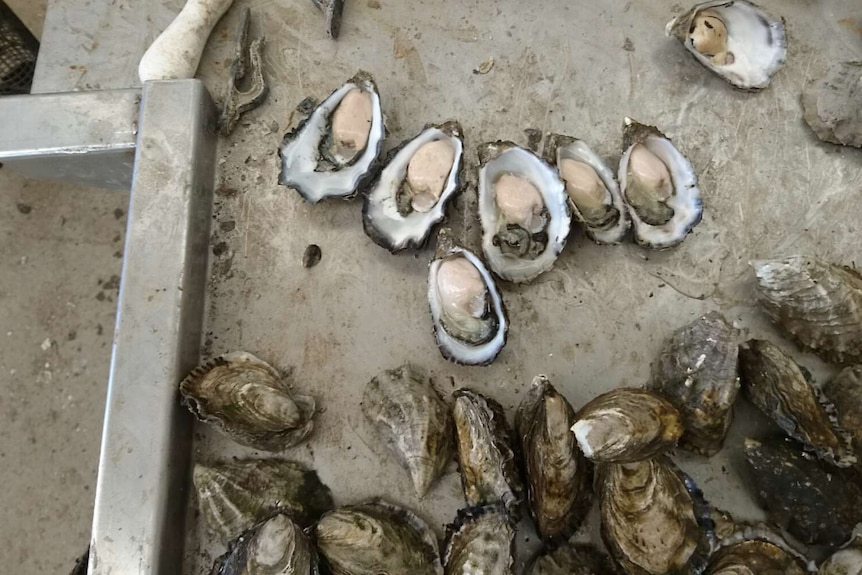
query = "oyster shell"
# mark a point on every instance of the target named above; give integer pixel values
(594, 195)
(559, 477)
(376, 537)
(625, 425)
(249, 401)
(654, 519)
(659, 187)
(415, 423)
(735, 39)
(571, 559)
(784, 391)
(467, 310)
(234, 496)
(819, 305)
(334, 152)
(845, 392)
(485, 452)
(753, 550)
(845, 561)
(481, 541)
(524, 211)
(697, 373)
(409, 196)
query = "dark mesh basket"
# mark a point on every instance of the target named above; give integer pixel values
(18, 50)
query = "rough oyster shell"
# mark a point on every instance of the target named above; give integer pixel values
(784, 391)
(697, 373)
(559, 477)
(571, 559)
(625, 425)
(831, 104)
(845, 391)
(756, 549)
(248, 400)
(480, 541)
(376, 537)
(413, 421)
(847, 560)
(234, 496)
(817, 304)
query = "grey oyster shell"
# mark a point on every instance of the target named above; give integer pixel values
(275, 546)
(410, 417)
(571, 559)
(486, 453)
(697, 373)
(249, 401)
(831, 104)
(753, 550)
(845, 392)
(784, 391)
(480, 542)
(847, 560)
(234, 496)
(815, 303)
(559, 478)
(625, 425)
(654, 519)
(376, 537)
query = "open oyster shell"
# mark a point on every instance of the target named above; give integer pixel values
(481, 541)
(847, 560)
(413, 421)
(410, 195)
(523, 209)
(755, 549)
(845, 392)
(571, 559)
(334, 152)
(249, 401)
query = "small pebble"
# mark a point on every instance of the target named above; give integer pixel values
(312, 256)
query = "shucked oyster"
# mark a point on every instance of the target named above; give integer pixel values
(754, 550)
(413, 420)
(735, 39)
(845, 391)
(559, 477)
(659, 187)
(275, 546)
(249, 401)
(374, 538)
(847, 560)
(409, 196)
(524, 211)
(817, 304)
(571, 559)
(697, 373)
(334, 152)
(480, 542)
(626, 424)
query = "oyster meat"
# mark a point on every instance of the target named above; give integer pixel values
(784, 391)
(409, 196)
(234, 496)
(659, 187)
(697, 373)
(847, 560)
(626, 424)
(524, 211)
(485, 452)
(654, 519)
(249, 401)
(376, 537)
(755, 550)
(845, 392)
(594, 195)
(467, 310)
(559, 477)
(481, 541)
(571, 559)
(819, 305)
(411, 418)
(334, 152)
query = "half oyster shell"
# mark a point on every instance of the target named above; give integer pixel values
(410, 195)
(524, 211)
(249, 401)
(847, 560)
(480, 541)
(334, 152)
(755, 549)
(413, 421)
(571, 559)
(845, 392)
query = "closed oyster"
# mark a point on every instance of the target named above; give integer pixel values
(571, 559)
(755, 550)
(654, 519)
(409, 196)
(847, 560)
(249, 401)
(377, 537)
(817, 304)
(625, 425)
(334, 152)
(524, 211)
(485, 452)
(559, 477)
(845, 392)
(234, 496)
(735, 39)
(481, 541)
(697, 373)
(275, 546)
(659, 187)
(785, 392)
(414, 422)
